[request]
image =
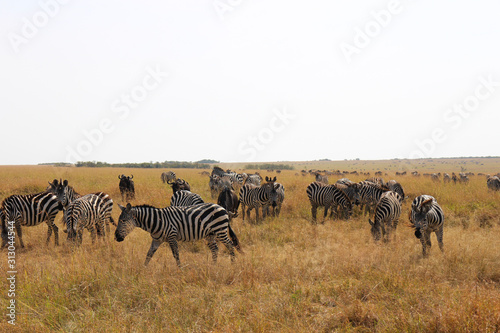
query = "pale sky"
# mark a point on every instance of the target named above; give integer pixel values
(248, 81)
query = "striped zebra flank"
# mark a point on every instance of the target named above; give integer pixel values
(370, 194)
(426, 217)
(173, 224)
(87, 212)
(31, 210)
(258, 197)
(387, 213)
(329, 196)
(185, 198)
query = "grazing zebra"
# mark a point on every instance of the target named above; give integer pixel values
(427, 217)
(87, 212)
(66, 195)
(168, 176)
(258, 197)
(30, 210)
(394, 186)
(173, 224)
(127, 189)
(370, 194)
(493, 183)
(387, 215)
(329, 197)
(185, 198)
(344, 181)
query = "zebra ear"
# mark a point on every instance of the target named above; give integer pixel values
(65, 183)
(267, 178)
(274, 179)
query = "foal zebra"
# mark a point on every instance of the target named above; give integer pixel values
(427, 217)
(387, 215)
(173, 224)
(87, 212)
(327, 196)
(185, 198)
(30, 210)
(258, 197)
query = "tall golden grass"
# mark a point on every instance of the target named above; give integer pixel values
(293, 277)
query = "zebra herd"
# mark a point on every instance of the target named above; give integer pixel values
(189, 217)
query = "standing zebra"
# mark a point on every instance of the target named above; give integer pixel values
(168, 176)
(87, 212)
(66, 195)
(394, 186)
(258, 197)
(387, 215)
(185, 198)
(30, 210)
(427, 217)
(280, 197)
(327, 196)
(173, 224)
(370, 194)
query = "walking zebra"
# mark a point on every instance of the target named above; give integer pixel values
(387, 215)
(30, 210)
(329, 197)
(66, 195)
(427, 217)
(173, 224)
(87, 212)
(370, 194)
(185, 198)
(168, 176)
(258, 197)
(493, 183)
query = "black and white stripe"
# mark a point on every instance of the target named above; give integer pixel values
(329, 197)
(427, 217)
(168, 176)
(89, 212)
(31, 210)
(257, 198)
(394, 186)
(173, 224)
(387, 213)
(369, 194)
(185, 198)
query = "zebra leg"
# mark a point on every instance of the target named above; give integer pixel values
(175, 250)
(439, 236)
(229, 245)
(425, 242)
(155, 244)
(19, 233)
(52, 227)
(243, 211)
(314, 210)
(92, 234)
(212, 245)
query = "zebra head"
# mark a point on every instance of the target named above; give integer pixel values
(126, 222)
(60, 190)
(419, 216)
(375, 230)
(271, 188)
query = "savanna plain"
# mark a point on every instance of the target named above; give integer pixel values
(293, 277)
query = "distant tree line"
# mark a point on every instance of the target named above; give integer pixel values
(147, 165)
(268, 166)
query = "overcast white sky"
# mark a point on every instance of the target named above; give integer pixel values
(241, 80)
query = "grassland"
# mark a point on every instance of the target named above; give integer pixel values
(293, 277)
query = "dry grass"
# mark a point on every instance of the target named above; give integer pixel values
(294, 277)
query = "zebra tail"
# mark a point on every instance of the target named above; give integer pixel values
(234, 239)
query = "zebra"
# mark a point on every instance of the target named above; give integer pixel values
(280, 191)
(426, 217)
(166, 176)
(327, 196)
(351, 190)
(387, 213)
(493, 183)
(185, 198)
(376, 180)
(394, 186)
(344, 181)
(254, 179)
(66, 195)
(87, 212)
(258, 197)
(30, 210)
(370, 194)
(173, 224)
